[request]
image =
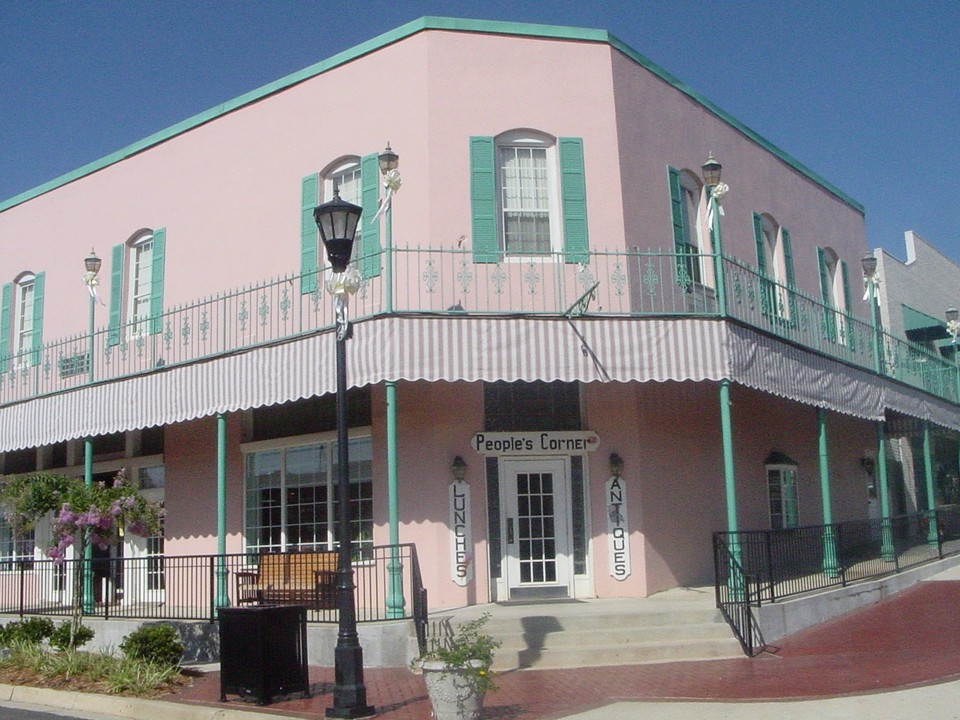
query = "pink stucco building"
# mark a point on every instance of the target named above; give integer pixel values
(618, 358)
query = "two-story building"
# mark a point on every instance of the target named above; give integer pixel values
(616, 352)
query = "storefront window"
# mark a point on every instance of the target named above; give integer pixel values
(291, 500)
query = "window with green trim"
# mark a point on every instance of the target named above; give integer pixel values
(835, 295)
(15, 549)
(21, 321)
(136, 286)
(528, 196)
(775, 267)
(690, 238)
(783, 496)
(357, 179)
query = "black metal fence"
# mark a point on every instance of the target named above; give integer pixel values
(757, 566)
(193, 587)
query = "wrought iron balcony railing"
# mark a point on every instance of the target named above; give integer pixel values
(449, 282)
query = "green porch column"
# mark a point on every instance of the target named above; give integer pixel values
(737, 588)
(886, 526)
(395, 599)
(87, 570)
(933, 538)
(831, 567)
(222, 598)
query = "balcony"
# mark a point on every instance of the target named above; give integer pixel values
(447, 282)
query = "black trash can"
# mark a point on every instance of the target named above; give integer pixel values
(263, 651)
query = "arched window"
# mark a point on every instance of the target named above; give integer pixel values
(21, 320)
(527, 193)
(690, 236)
(835, 294)
(528, 196)
(358, 181)
(775, 266)
(136, 285)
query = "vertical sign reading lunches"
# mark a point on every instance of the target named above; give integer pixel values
(618, 539)
(461, 534)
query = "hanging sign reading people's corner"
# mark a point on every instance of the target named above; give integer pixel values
(618, 539)
(461, 534)
(546, 442)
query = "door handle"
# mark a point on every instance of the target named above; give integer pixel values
(509, 531)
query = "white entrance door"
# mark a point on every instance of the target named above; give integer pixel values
(536, 528)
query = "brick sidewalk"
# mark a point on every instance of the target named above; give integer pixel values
(912, 638)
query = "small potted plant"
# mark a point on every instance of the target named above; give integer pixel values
(457, 671)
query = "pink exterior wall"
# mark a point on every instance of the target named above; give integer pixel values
(759, 181)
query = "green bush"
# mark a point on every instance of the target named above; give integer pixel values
(158, 644)
(60, 638)
(31, 631)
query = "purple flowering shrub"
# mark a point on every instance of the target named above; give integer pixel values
(81, 514)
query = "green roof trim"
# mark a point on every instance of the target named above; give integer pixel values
(495, 27)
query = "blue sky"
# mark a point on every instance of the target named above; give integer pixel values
(865, 94)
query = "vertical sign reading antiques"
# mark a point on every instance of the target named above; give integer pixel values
(618, 539)
(461, 534)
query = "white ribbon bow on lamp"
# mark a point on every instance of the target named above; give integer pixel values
(717, 193)
(392, 182)
(91, 281)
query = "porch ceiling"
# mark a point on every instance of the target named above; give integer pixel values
(468, 349)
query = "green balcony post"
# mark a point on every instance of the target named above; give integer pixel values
(831, 567)
(87, 565)
(869, 265)
(395, 601)
(737, 583)
(222, 598)
(932, 537)
(887, 551)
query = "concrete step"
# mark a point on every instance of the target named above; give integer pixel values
(681, 626)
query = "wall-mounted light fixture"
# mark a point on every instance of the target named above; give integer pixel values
(458, 469)
(616, 465)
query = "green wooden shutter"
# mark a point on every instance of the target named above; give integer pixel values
(767, 302)
(787, 256)
(309, 242)
(761, 244)
(39, 282)
(6, 303)
(116, 295)
(483, 200)
(678, 221)
(370, 249)
(156, 280)
(573, 192)
(791, 280)
(826, 297)
(848, 307)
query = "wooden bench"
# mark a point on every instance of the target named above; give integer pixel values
(300, 578)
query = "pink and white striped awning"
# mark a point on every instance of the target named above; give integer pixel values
(470, 349)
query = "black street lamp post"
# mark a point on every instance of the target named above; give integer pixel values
(337, 221)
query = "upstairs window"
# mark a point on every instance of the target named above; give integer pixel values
(528, 196)
(690, 237)
(136, 286)
(835, 295)
(358, 182)
(775, 267)
(21, 320)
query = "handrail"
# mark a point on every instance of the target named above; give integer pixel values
(447, 281)
(789, 562)
(734, 590)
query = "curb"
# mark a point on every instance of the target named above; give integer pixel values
(126, 707)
